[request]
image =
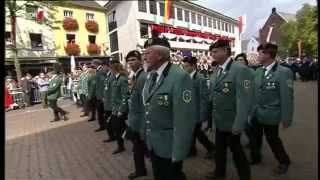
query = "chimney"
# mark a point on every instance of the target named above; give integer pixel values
(273, 10)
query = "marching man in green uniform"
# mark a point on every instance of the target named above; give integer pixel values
(54, 92)
(91, 83)
(136, 113)
(230, 91)
(202, 105)
(119, 101)
(170, 119)
(83, 90)
(273, 105)
(100, 77)
(107, 103)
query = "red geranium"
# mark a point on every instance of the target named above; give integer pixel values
(92, 26)
(93, 49)
(72, 49)
(70, 24)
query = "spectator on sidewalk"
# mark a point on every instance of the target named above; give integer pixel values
(43, 85)
(26, 88)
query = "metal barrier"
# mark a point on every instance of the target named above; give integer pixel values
(36, 95)
(18, 97)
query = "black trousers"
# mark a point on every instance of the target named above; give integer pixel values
(84, 102)
(227, 139)
(27, 98)
(100, 112)
(56, 110)
(139, 148)
(165, 169)
(119, 126)
(203, 139)
(92, 104)
(272, 135)
(107, 115)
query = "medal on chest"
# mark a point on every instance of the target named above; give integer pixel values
(225, 88)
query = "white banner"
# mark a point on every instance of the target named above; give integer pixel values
(72, 63)
(169, 35)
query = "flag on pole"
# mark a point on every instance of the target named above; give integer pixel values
(269, 33)
(72, 63)
(40, 15)
(167, 10)
(242, 24)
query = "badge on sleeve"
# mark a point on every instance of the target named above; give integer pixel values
(290, 83)
(186, 96)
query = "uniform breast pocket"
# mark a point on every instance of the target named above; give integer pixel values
(271, 85)
(227, 87)
(163, 99)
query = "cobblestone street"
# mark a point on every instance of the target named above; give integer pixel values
(37, 149)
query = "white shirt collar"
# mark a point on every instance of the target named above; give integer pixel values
(192, 73)
(117, 75)
(224, 65)
(269, 67)
(136, 73)
(161, 69)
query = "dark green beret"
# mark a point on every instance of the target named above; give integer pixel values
(221, 43)
(133, 53)
(157, 41)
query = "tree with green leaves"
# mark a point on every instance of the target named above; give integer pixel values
(15, 10)
(304, 29)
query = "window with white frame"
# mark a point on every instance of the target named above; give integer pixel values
(193, 18)
(219, 25)
(92, 39)
(223, 26)
(153, 7)
(161, 5)
(142, 6)
(209, 22)
(204, 19)
(71, 38)
(67, 13)
(186, 16)
(8, 38)
(199, 20)
(144, 30)
(232, 28)
(89, 16)
(36, 40)
(214, 23)
(179, 14)
(227, 27)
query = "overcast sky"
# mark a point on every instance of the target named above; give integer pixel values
(257, 11)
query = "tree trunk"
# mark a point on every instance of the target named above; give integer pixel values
(15, 50)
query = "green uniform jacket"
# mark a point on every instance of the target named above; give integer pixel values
(231, 97)
(91, 83)
(107, 93)
(135, 102)
(120, 94)
(201, 96)
(54, 91)
(100, 77)
(83, 84)
(274, 95)
(170, 114)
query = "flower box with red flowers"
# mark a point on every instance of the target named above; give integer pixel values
(72, 49)
(93, 49)
(92, 26)
(70, 24)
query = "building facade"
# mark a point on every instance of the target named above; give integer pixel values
(92, 42)
(190, 27)
(35, 42)
(270, 32)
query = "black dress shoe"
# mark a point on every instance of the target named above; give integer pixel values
(99, 129)
(109, 140)
(118, 150)
(210, 155)
(281, 169)
(255, 162)
(214, 176)
(83, 115)
(135, 175)
(91, 119)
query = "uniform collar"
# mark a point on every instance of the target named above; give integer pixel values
(137, 72)
(192, 74)
(269, 67)
(224, 65)
(161, 69)
(117, 75)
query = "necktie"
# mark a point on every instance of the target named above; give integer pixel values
(153, 76)
(219, 71)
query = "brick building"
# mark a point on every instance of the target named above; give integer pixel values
(272, 26)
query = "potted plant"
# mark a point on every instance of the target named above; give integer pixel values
(70, 24)
(72, 49)
(93, 49)
(92, 26)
